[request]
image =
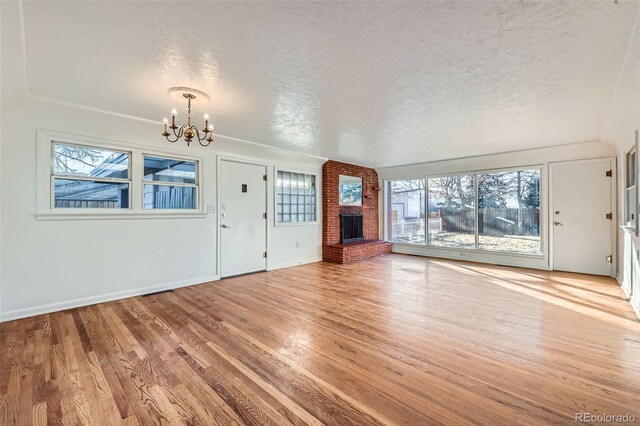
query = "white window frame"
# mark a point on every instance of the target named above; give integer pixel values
(44, 188)
(275, 196)
(543, 239)
(71, 176)
(160, 183)
(630, 188)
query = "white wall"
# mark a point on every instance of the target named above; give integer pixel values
(48, 265)
(506, 160)
(622, 121)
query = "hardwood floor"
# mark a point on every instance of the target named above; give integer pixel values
(391, 340)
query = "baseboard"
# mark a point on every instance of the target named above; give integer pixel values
(92, 300)
(514, 260)
(296, 263)
(619, 280)
(636, 309)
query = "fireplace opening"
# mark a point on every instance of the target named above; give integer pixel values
(351, 228)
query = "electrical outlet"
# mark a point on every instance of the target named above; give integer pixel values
(211, 208)
(297, 244)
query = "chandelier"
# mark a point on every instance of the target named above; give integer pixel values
(188, 131)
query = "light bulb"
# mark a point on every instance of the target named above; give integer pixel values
(165, 121)
(211, 127)
(206, 117)
(174, 112)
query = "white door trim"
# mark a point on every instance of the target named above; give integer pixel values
(613, 202)
(243, 160)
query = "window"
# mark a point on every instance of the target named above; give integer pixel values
(295, 197)
(493, 211)
(630, 184)
(170, 183)
(406, 211)
(452, 214)
(509, 211)
(89, 177)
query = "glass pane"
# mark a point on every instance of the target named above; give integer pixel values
(279, 183)
(451, 212)
(170, 197)
(509, 211)
(631, 169)
(86, 194)
(86, 161)
(279, 218)
(298, 202)
(406, 211)
(158, 169)
(631, 207)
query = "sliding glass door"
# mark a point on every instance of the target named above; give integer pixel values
(494, 211)
(406, 211)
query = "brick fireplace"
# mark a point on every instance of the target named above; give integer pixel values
(332, 249)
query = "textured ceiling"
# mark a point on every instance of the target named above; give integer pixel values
(375, 83)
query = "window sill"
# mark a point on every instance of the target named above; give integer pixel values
(628, 228)
(458, 249)
(286, 224)
(46, 216)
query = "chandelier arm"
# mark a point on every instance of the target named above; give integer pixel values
(200, 139)
(172, 141)
(177, 135)
(205, 144)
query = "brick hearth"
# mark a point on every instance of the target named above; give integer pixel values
(332, 250)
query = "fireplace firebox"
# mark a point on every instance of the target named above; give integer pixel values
(351, 228)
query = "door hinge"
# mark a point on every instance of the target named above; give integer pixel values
(264, 177)
(264, 254)
(264, 215)
(609, 173)
(609, 216)
(609, 259)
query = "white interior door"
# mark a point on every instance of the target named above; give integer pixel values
(243, 227)
(581, 235)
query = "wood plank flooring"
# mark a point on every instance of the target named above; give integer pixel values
(391, 340)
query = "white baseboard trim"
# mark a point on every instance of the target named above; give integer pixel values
(636, 309)
(296, 263)
(515, 260)
(108, 297)
(619, 280)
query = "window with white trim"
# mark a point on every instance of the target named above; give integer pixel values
(295, 197)
(630, 188)
(170, 183)
(89, 177)
(496, 211)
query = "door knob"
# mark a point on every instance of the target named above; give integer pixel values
(224, 226)
(558, 224)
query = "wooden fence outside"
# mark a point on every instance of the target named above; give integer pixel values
(511, 221)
